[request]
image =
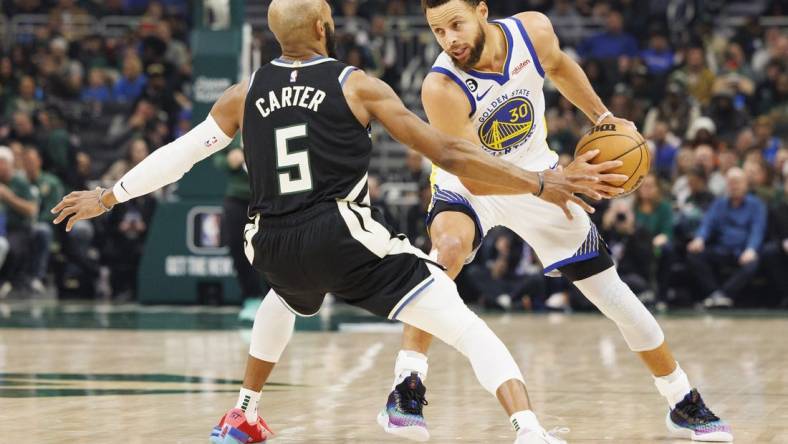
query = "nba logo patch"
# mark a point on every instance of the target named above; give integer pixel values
(293, 76)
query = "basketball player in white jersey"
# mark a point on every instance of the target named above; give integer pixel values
(486, 87)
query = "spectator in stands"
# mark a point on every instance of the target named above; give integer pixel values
(677, 109)
(685, 160)
(664, 150)
(735, 74)
(176, 53)
(500, 279)
(68, 12)
(765, 140)
(137, 151)
(696, 75)
(630, 246)
(691, 210)
(127, 228)
(416, 219)
(613, 43)
(50, 191)
(235, 211)
(766, 91)
(727, 243)
(705, 157)
(567, 21)
(96, 90)
(775, 253)
(20, 205)
(728, 118)
(131, 84)
(654, 214)
(25, 100)
(759, 178)
(658, 56)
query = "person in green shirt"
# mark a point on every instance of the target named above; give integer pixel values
(654, 214)
(236, 208)
(50, 191)
(18, 200)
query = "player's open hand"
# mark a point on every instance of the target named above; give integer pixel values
(78, 205)
(560, 187)
(601, 187)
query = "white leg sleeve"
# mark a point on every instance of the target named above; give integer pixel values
(440, 312)
(616, 300)
(272, 329)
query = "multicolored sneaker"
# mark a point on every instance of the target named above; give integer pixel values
(402, 416)
(234, 429)
(693, 420)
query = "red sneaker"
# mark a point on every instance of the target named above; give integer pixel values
(234, 429)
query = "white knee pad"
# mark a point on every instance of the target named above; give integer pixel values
(272, 330)
(440, 312)
(616, 300)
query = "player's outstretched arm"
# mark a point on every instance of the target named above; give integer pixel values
(370, 98)
(165, 165)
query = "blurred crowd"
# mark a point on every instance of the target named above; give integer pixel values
(708, 227)
(79, 109)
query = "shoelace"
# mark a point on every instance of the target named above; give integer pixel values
(699, 410)
(412, 402)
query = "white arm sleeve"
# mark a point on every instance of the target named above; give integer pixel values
(170, 162)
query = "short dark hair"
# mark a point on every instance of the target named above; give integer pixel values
(427, 4)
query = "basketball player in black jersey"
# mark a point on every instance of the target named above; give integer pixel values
(305, 123)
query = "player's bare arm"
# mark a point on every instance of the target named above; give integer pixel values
(371, 98)
(165, 165)
(564, 72)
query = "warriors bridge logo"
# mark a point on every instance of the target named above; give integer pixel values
(509, 126)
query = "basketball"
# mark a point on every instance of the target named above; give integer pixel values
(619, 142)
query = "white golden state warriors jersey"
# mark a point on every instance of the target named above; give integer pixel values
(507, 108)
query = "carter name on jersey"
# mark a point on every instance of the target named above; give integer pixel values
(303, 96)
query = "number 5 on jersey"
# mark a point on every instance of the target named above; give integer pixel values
(286, 159)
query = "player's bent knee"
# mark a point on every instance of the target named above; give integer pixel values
(452, 251)
(273, 327)
(616, 300)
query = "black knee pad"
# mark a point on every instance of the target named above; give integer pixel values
(578, 271)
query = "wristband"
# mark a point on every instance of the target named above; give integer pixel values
(540, 175)
(604, 116)
(101, 203)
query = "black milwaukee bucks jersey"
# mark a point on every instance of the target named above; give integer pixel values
(302, 143)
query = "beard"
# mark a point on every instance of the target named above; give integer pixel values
(331, 41)
(475, 53)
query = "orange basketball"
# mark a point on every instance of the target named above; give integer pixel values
(619, 142)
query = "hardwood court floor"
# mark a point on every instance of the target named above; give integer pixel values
(167, 386)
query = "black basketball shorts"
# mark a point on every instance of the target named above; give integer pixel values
(343, 248)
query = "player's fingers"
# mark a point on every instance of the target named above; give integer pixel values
(585, 157)
(57, 208)
(607, 166)
(583, 204)
(567, 212)
(613, 178)
(588, 189)
(64, 214)
(609, 191)
(582, 178)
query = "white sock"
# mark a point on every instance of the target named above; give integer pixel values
(247, 401)
(407, 362)
(674, 387)
(524, 421)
